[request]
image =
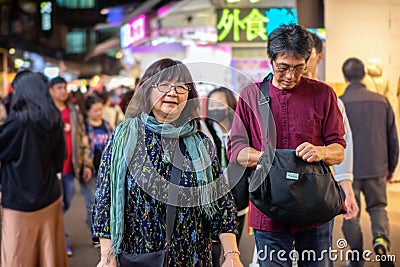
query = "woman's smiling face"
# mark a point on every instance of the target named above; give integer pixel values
(167, 107)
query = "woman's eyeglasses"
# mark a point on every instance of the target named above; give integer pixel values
(166, 87)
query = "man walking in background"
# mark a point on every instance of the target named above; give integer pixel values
(376, 152)
(77, 161)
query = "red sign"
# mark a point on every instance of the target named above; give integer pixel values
(133, 31)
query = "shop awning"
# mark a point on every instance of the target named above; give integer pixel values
(101, 48)
(143, 8)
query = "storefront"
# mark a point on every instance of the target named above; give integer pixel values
(245, 28)
(184, 31)
(201, 31)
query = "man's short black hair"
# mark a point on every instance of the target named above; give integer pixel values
(318, 44)
(290, 39)
(57, 80)
(353, 70)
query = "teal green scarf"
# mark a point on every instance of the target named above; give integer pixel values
(123, 147)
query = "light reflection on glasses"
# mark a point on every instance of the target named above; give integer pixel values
(166, 87)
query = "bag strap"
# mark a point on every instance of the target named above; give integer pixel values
(264, 102)
(172, 192)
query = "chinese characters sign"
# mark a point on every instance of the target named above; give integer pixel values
(133, 31)
(247, 25)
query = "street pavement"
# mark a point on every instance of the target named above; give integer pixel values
(86, 255)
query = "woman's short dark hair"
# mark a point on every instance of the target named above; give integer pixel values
(164, 70)
(105, 95)
(353, 70)
(230, 98)
(290, 39)
(91, 100)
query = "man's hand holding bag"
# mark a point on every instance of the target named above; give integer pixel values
(294, 191)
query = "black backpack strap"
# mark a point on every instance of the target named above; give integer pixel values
(264, 102)
(171, 209)
(173, 193)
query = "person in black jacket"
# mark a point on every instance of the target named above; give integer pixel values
(32, 153)
(376, 153)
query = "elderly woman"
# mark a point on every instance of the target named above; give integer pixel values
(159, 136)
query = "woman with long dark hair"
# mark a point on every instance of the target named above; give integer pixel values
(31, 155)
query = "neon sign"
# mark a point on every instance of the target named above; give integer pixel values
(133, 31)
(45, 10)
(247, 25)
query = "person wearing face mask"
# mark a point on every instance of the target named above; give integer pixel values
(219, 119)
(221, 106)
(219, 114)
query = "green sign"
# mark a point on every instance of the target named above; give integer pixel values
(247, 25)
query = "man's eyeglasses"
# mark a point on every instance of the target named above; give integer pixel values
(284, 69)
(166, 87)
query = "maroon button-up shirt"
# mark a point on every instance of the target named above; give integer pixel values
(306, 113)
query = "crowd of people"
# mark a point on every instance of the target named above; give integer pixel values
(150, 164)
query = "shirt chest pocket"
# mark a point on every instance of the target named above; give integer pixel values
(304, 125)
(307, 129)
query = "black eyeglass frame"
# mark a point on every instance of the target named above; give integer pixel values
(180, 89)
(297, 70)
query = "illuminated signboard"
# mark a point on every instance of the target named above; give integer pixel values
(46, 10)
(133, 31)
(247, 25)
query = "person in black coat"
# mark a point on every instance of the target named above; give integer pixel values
(32, 153)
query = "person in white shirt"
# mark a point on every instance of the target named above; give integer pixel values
(343, 171)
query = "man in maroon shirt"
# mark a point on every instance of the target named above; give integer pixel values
(308, 120)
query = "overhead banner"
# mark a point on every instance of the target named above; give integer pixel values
(252, 24)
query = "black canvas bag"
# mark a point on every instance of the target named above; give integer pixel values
(290, 189)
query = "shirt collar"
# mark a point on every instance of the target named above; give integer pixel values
(356, 86)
